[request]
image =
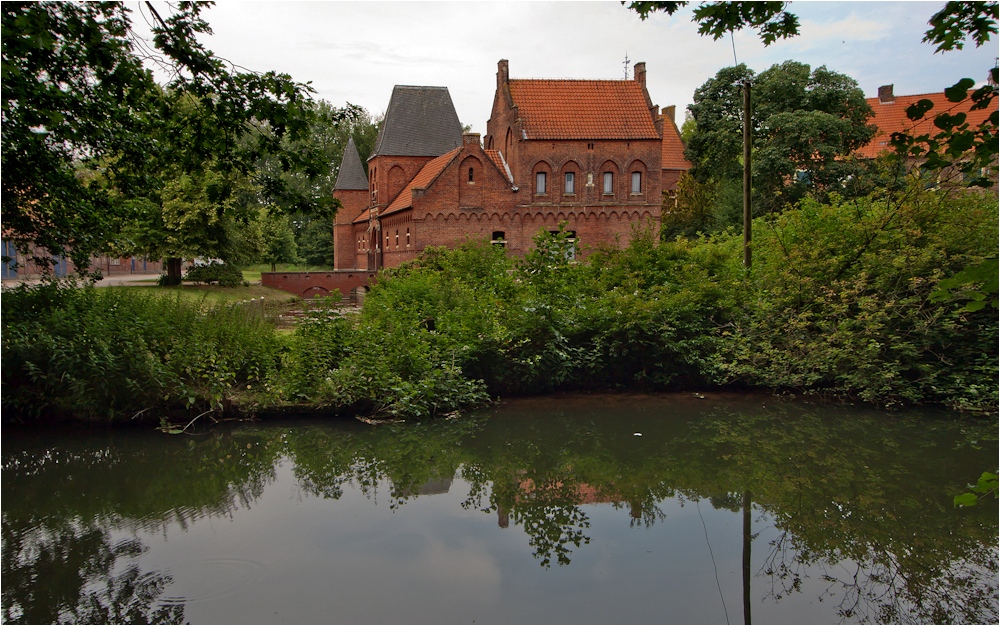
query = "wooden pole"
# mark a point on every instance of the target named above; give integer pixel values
(746, 557)
(746, 173)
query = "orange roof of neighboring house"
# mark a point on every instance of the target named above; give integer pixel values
(423, 178)
(582, 109)
(673, 147)
(890, 117)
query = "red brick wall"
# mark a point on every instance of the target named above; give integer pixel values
(354, 202)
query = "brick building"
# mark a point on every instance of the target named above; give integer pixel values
(591, 153)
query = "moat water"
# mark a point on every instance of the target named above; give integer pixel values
(563, 509)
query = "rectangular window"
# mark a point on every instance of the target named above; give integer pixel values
(636, 182)
(609, 182)
(499, 239)
(540, 183)
(570, 182)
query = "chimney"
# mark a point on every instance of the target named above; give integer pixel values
(885, 94)
(470, 139)
(639, 73)
(671, 112)
(503, 77)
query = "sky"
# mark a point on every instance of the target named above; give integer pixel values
(356, 51)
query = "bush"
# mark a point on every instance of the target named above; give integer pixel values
(115, 353)
(224, 274)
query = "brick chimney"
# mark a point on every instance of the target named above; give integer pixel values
(639, 73)
(885, 94)
(470, 139)
(503, 77)
(671, 112)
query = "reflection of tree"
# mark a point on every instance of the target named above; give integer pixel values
(62, 502)
(866, 500)
(67, 577)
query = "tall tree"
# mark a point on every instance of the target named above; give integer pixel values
(90, 139)
(805, 123)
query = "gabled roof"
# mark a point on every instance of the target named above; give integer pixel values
(582, 109)
(423, 178)
(890, 117)
(498, 160)
(420, 121)
(365, 215)
(672, 156)
(352, 172)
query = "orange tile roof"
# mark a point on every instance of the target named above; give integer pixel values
(890, 117)
(582, 109)
(363, 217)
(423, 178)
(497, 158)
(673, 147)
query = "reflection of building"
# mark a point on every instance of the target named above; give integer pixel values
(580, 493)
(585, 152)
(432, 486)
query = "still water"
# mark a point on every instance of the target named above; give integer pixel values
(565, 509)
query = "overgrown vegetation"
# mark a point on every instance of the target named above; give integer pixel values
(844, 298)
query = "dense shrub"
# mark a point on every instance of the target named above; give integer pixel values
(117, 353)
(840, 301)
(214, 272)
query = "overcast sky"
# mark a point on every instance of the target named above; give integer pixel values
(356, 51)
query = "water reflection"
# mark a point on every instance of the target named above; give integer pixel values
(850, 508)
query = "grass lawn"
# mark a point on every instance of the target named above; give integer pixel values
(213, 294)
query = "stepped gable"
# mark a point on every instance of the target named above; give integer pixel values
(352, 172)
(890, 117)
(582, 109)
(420, 121)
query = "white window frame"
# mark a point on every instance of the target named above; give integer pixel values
(540, 183)
(570, 185)
(609, 183)
(636, 183)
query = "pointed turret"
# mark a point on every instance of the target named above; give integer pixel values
(352, 171)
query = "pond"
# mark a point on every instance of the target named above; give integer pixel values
(563, 509)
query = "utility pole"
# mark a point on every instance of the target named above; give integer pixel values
(746, 173)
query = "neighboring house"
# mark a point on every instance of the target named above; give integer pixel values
(890, 117)
(16, 265)
(585, 152)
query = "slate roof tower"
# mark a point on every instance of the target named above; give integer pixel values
(351, 189)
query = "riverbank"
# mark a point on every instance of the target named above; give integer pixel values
(843, 300)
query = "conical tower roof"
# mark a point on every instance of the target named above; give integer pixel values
(352, 172)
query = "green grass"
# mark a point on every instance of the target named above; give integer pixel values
(213, 294)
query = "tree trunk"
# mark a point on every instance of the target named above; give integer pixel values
(173, 272)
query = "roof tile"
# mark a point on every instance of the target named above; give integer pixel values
(890, 117)
(423, 178)
(582, 109)
(673, 147)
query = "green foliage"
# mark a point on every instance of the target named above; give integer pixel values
(115, 354)
(314, 238)
(90, 141)
(804, 124)
(223, 274)
(769, 19)
(987, 484)
(958, 20)
(841, 302)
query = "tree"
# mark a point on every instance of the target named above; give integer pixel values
(90, 140)
(805, 123)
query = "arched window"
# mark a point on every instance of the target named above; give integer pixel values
(407, 237)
